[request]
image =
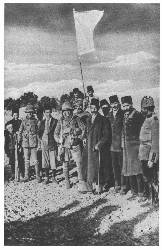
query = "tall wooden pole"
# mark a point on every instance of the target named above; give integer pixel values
(81, 71)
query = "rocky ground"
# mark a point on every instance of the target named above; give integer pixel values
(38, 214)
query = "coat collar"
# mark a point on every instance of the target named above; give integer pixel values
(95, 120)
(51, 123)
(118, 113)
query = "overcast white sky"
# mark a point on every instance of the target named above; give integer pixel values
(40, 49)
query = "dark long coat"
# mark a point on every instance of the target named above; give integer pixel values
(99, 132)
(117, 126)
(130, 141)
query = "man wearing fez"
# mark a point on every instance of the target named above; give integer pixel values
(48, 144)
(89, 97)
(132, 123)
(28, 138)
(98, 136)
(116, 119)
(105, 107)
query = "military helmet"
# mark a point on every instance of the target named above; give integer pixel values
(66, 106)
(29, 108)
(147, 101)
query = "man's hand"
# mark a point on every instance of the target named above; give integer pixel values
(96, 147)
(150, 164)
(84, 142)
(19, 147)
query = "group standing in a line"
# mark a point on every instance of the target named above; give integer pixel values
(111, 143)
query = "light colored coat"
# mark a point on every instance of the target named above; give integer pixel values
(149, 139)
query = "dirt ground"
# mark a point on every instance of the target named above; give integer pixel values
(38, 214)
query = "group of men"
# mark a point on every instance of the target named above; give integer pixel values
(111, 143)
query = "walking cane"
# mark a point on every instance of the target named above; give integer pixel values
(17, 172)
(99, 160)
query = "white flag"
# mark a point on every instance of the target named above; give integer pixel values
(85, 23)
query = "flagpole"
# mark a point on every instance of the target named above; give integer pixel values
(81, 70)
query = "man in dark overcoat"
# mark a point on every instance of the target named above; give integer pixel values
(108, 171)
(99, 136)
(116, 119)
(132, 123)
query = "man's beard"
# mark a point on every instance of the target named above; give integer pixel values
(105, 111)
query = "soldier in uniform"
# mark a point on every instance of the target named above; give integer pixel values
(116, 120)
(28, 138)
(48, 144)
(149, 144)
(132, 123)
(77, 98)
(83, 116)
(68, 134)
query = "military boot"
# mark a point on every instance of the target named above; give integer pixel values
(79, 170)
(66, 175)
(53, 176)
(37, 173)
(145, 195)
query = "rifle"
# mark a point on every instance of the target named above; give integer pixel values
(17, 170)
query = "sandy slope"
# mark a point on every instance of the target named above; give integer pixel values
(36, 214)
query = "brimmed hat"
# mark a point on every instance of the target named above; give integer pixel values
(113, 98)
(126, 99)
(95, 102)
(104, 102)
(66, 106)
(29, 108)
(90, 88)
(147, 101)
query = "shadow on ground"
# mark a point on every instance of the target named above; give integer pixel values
(76, 229)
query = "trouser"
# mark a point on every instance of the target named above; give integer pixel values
(12, 161)
(76, 155)
(136, 184)
(117, 168)
(31, 153)
(147, 177)
(21, 162)
(48, 159)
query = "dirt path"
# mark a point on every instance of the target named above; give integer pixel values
(36, 214)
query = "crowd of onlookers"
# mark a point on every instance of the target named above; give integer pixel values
(111, 143)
